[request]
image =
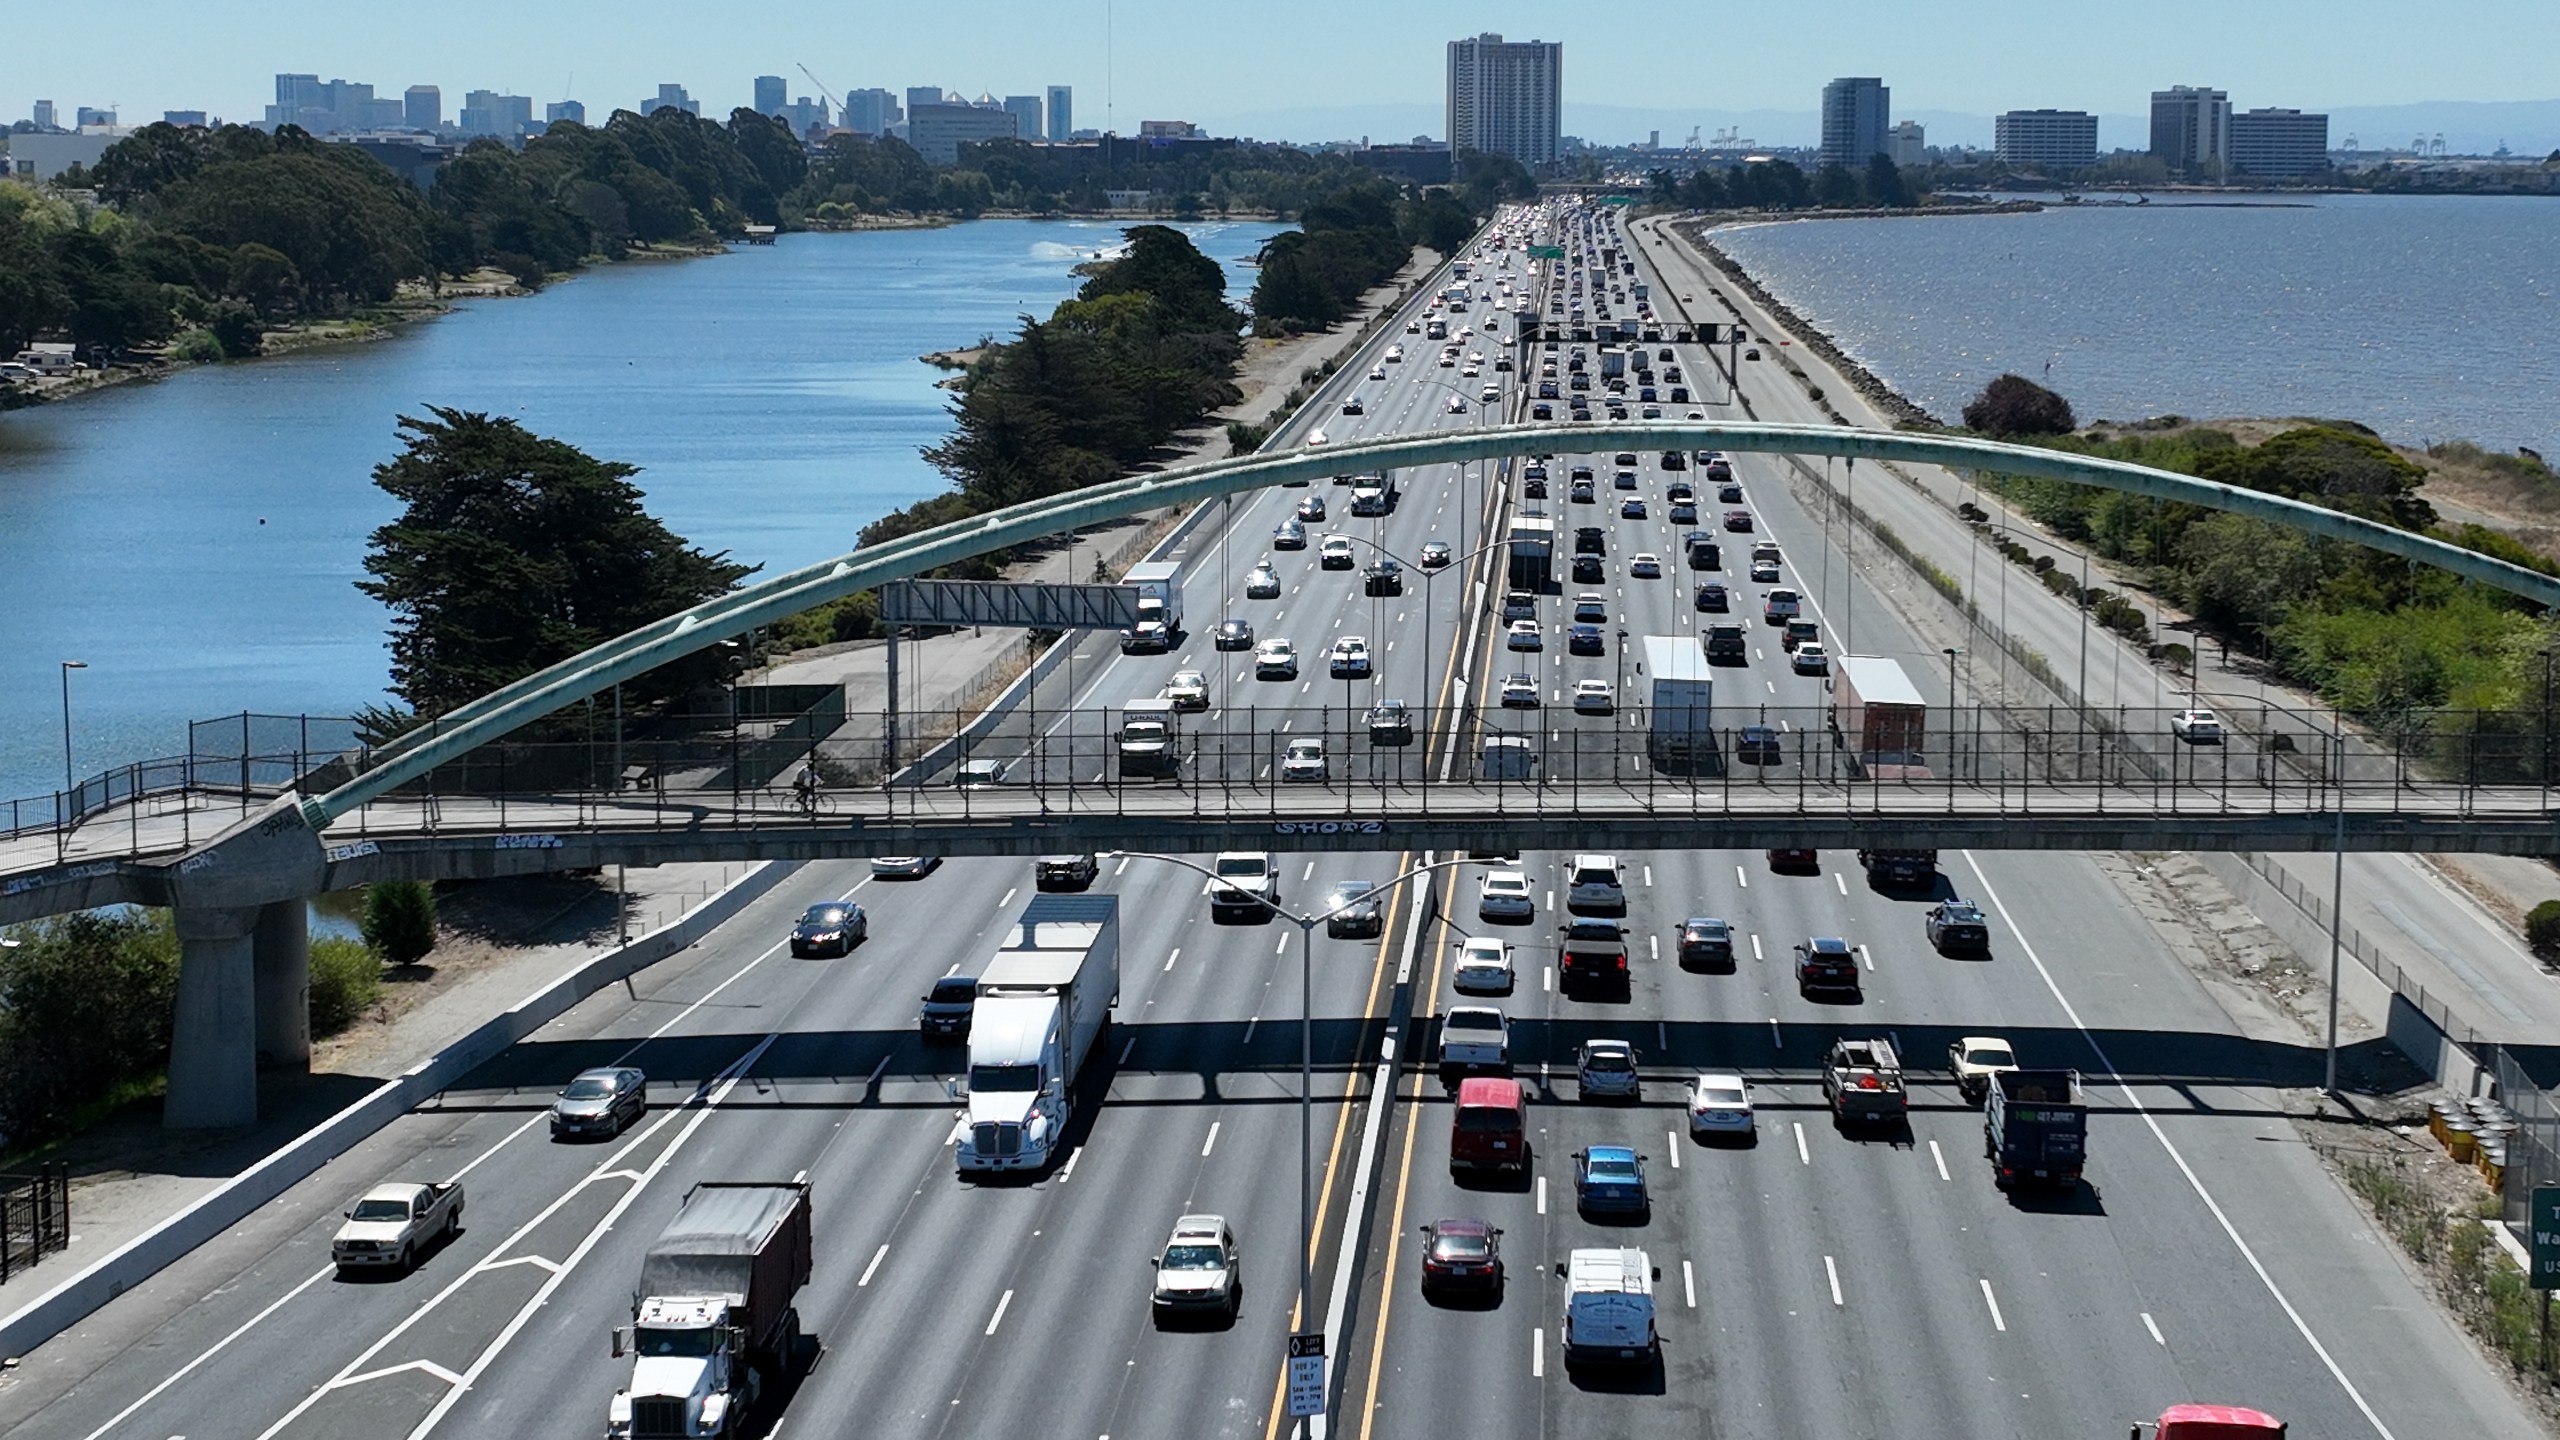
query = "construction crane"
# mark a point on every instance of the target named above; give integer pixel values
(826, 93)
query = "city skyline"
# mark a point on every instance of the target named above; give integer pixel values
(1175, 62)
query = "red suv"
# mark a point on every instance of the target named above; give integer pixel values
(1490, 1127)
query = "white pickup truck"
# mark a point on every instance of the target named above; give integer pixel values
(392, 1223)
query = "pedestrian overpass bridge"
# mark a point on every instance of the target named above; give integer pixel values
(236, 871)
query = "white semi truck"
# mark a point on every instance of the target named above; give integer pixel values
(1044, 1001)
(712, 1318)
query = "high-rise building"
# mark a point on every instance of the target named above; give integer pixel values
(924, 95)
(2046, 139)
(671, 97)
(194, 119)
(872, 111)
(1908, 144)
(2191, 128)
(1506, 98)
(486, 112)
(1856, 113)
(2277, 144)
(422, 106)
(772, 94)
(804, 114)
(559, 110)
(44, 116)
(1026, 115)
(91, 115)
(1062, 109)
(938, 131)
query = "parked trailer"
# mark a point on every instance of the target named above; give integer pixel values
(1880, 719)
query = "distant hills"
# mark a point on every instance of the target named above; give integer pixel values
(2469, 127)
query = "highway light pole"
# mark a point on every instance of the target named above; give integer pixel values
(67, 782)
(1306, 1047)
(1951, 652)
(1457, 566)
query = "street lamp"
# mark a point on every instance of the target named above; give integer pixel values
(67, 667)
(1306, 1050)
(1457, 566)
(1951, 652)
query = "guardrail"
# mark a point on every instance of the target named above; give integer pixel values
(35, 1217)
(247, 757)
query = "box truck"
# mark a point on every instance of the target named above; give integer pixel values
(711, 1317)
(1681, 704)
(1880, 719)
(1159, 585)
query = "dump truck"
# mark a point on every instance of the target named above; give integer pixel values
(1880, 719)
(711, 1316)
(1044, 1000)
(2035, 1128)
(1863, 1081)
(1900, 867)
(1150, 738)
(1532, 551)
(1159, 586)
(1681, 704)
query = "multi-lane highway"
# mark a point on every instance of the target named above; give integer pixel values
(1813, 1284)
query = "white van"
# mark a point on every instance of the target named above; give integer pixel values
(1596, 885)
(1608, 1309)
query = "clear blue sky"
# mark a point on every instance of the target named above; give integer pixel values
(1210, 61)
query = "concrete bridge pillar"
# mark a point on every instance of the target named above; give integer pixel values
(281, 954)
(213, 1047)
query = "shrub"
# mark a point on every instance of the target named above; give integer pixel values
(346, 976)
(2016, 405)
(198, 346)
(2542, 929)
(400, 920)
(1244, 439)
(85, 1008)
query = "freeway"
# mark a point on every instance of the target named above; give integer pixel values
(947, 1309)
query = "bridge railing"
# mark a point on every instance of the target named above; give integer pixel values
(245, 757)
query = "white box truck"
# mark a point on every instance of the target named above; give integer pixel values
(1881, 719)
(1044, 1001)
(1159, 584)
(1150, 739)
(1680, 704)
(711, 1318)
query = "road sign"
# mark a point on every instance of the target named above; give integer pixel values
(1546, 252)
(1306, 1375)
(2546, 1237)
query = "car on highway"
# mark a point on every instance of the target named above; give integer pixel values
(1720, 1104)
(1751, 354)
(1188, 690)
(1705, 941)
(1810, 659)
(1760, 745)
(2196, 727)
(1504, 895)
(1649, 412)
(1609, 1180)
(1633, 508)
(1276, 660)
(947, 1008)
(1542, 411)
(1588, 570)
(1304, 761)
(904, 867)
(1712, 599)
(1351, 405)
(1377, 372)
(1519, 691)
(1434, 554)
(1350, 658)
(1975, 1059)
(1289, 534)
(1315, 438)
(1623, 480)
(1780, 606)
(1800, 631)
(1684, 512)
(1644, 565)
(1594, 697)
(1717, 465)
(1737, 520)
(1262, 582)
(1334, 553)
(1390, 722)
(1490, 394)
(1728, 494)
(1461, 1256)
(1606, 1069)
(1483, 967)
(1233, 634)
(1765, 571)
(1590, 609)
(1198, 1273)
(1382, 577)
(830, 927)
(1523, 635)
(1474, 1037)
(1457, 403)
(1585, 640)
(1354, 910)
(1956, 926)
(603, 1101)
(1395, 354)
(1625, 460)
(391, 1224)
(1311, 507)
(1826, 963)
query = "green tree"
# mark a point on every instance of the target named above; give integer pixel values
(1834, 188)
(2013, 405)
(513, 552)
(399, 923)
(1885, 185)
(85, 1008)
(2542, 922)
(346, 978)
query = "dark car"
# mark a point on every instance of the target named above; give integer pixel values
(1590, 610)
(603, 1101)
(1728, 494)
(1705, 940)
(1587, 570)
(1390, 723)
(1385, 577)
(1826, 962)
(1593, 950)
(1548, 390)
(1713, 600)
(1795, 857)
(1590, 540)
(1674, 460)
(1737, 520)
(1585, 640)
(1234, 634)
(1632, 508)
(1542, 411)
(1956, 926)
(1535, 487)
(1583, 492)
(1066, 872)
(1609, 1180)
(1461, 1255)
(832, 928)
(1352, 911)
(947, 1008)
(1760, 745)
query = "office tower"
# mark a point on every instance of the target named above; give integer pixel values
(559, 110)
(2279, 144)
(44, 115)
(2046, 139)
(1856, 112)
(938, 131)
(671, 97)
(1025, 110)
(1506, 98)
(2191, 128)
(1908, 144)
(422, 107)
(486, 112)
(296, 92)
(872, 111)
(924, 95)
(1062, 108)
(91, 115)
(186, 118)
(772, 95)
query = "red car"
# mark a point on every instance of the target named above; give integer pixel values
(1460, 1254)
(1737, 520)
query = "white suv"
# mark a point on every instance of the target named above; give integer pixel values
(1595, 885)
(1246, 883)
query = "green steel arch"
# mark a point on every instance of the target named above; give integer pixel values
(620, 659)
